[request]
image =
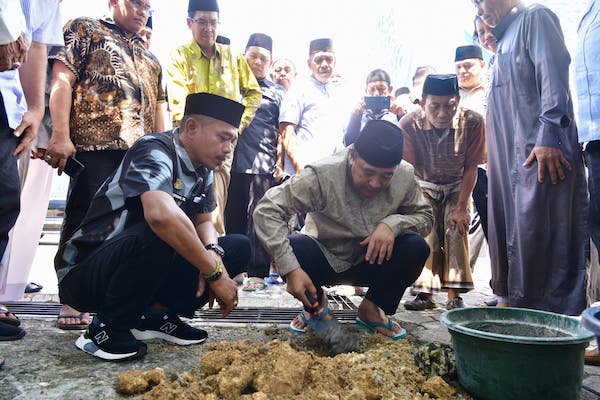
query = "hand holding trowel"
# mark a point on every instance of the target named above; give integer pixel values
(327, 327)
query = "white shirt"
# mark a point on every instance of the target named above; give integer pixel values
(42, 22)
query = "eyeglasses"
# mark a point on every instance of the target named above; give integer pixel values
(142, 6)
(212, 23)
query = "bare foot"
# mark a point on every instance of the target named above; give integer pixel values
(299, 324)
(70, 318)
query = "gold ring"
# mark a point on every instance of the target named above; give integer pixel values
(48, 158)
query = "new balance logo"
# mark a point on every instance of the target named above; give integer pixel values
(101, 336)
(168, 327)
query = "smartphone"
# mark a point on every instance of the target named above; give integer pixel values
(377, 103)
(73, 167)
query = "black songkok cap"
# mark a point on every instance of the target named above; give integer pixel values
(323, 44)
(223, 40)
(214, 106)
(464, 52)
(380, 144)
(203, 5)
(260, 40)
(440, 85)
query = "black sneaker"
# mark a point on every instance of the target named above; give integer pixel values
(420, 303)
(110, 344)
(168, 327)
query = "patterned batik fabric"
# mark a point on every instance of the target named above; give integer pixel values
(117, 84)
(448, 264)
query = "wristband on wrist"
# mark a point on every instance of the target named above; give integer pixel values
(216, 274)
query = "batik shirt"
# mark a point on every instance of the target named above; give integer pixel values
(155, 162)
(117, 84)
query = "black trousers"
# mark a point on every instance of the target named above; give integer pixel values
(99, 165)
(480, 195)
(10, 184)
(127, 273)
(245, 191)
(387, 282)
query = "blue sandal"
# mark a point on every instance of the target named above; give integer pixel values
(299, 331)
(370, 326)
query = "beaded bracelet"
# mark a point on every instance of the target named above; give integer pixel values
(216, 274)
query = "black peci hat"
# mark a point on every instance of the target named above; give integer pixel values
(465, 52)
(214, 106)
(440, 85)
(203, 5)
(323, 44)
(380, 144)
(260, 40)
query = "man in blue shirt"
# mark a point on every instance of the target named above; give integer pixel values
(587, 89)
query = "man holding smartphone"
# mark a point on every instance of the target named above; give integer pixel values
(377, 104)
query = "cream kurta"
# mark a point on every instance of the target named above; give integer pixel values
(337, 217)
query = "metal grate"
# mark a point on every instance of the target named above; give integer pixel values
(343, 308)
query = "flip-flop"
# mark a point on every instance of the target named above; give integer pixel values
(299, 331)
(10, 318)
(274, 279)
(71, 327)
(33, 287)
(489, 303)
(258, 284)
(370, 326)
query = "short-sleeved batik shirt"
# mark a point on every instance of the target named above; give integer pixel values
(155, 162)
(117, 84)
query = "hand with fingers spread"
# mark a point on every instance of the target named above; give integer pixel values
(550, 159)
(380, 244)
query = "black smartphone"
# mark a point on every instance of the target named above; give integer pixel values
(73, 167)
(377, 103)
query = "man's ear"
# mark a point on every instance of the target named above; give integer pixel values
(191, 126)
(352, 153)
(422, 103)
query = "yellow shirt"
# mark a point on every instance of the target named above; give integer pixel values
(191, 71)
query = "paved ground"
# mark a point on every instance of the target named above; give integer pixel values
(46, 365)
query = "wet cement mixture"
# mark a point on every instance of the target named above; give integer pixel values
(299, 368)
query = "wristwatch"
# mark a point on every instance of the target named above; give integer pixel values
(216, 248)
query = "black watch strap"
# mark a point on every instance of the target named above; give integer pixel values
(216, 248)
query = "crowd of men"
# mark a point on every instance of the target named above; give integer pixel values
(264, 178)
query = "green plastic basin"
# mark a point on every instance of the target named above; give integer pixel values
(517, 354)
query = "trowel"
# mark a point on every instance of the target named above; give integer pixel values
(328, 328)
